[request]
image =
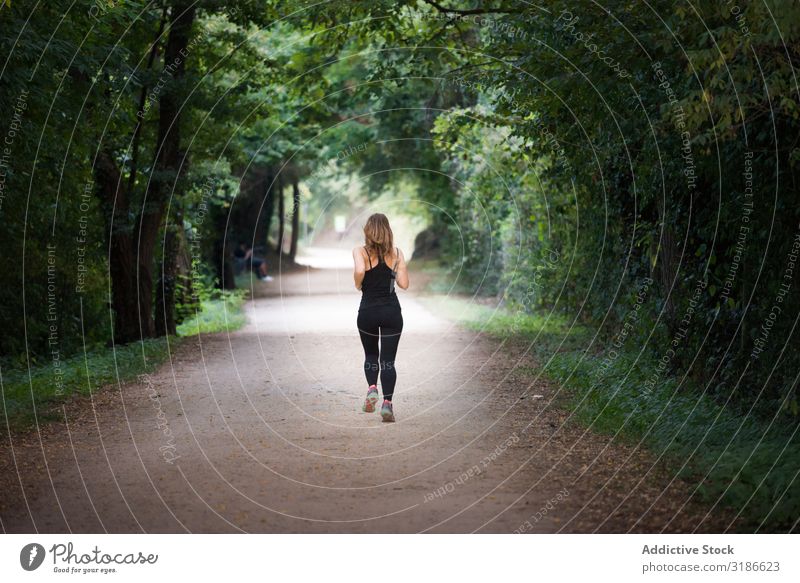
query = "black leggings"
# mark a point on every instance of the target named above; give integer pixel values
(386, 323)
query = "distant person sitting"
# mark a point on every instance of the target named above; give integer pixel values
(245, 258)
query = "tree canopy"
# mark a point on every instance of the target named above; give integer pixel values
(563, 152)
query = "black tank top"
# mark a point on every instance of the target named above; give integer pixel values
(377, 288)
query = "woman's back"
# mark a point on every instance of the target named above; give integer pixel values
(377, 288)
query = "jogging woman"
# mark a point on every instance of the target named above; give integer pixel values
(380, 320)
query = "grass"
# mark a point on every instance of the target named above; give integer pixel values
(82, 374)
(743, 462)
(223, 314)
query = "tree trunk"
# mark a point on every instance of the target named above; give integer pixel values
(165, 290)
(257, 195)
(167, 163)
(175, 285)
(269, 204)
(281, 217)
(121, 262)
(140, 112)
(295, 219)
(223, 258)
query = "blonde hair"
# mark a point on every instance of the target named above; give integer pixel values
(378, 236)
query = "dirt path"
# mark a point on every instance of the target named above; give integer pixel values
(261, 431)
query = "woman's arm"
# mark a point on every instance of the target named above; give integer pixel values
(359, 267)
(402, 270)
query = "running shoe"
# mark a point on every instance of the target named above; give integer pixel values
(387, 412)
(372, 398)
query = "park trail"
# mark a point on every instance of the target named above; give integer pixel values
(261, 430)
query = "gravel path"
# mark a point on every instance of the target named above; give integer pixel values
(261, 431)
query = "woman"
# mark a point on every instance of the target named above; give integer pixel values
(379, 315)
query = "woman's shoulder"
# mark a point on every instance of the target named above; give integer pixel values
(397, 255)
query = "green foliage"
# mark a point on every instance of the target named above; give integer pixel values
(220, 311)
(734, 459)
(87, 78)
(557, 179)
(571, 177)
(31, 395)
